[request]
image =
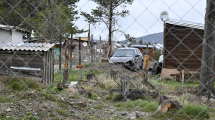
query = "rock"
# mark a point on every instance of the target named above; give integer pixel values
(124, 113)
(137, 115)
(8, 110)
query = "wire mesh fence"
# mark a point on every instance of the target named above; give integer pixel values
(71, 59)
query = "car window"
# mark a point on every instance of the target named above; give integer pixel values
(124, 53)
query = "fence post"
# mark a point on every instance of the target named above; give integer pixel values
(60, 54)
(71, 50)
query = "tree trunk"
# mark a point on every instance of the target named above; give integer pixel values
(206, 85)
(110, 29)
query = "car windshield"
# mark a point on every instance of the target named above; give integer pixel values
(124, 53)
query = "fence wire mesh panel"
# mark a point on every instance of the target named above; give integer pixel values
(107, 59)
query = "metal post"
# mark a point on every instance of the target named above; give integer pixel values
(60, 54)
(79, 50)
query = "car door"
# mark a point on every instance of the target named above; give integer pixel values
(139, 58)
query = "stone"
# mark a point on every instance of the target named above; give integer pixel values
(124, 113)
(8, 110)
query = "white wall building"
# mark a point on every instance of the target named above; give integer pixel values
(11, 34)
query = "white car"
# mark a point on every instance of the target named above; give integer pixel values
(127, 57)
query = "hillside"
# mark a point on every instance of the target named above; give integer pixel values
(153, 38)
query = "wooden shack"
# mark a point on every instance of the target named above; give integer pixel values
(143, 48)
(28, 60)
(182, 45)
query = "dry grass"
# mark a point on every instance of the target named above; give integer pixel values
(106, 82)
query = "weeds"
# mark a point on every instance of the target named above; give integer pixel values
(4, 99)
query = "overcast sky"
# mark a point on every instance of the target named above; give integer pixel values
(144, 16)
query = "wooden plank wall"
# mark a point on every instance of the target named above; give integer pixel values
(42, 60)
(182, 45)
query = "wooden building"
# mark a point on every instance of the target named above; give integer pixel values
(143, 48)
(84, 50)
(182, 45)
(28, 60)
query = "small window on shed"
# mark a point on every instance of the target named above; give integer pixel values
(74, 46)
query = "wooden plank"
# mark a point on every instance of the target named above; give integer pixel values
(182, 80)
(30, 64)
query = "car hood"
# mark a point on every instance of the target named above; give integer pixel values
(120, 59)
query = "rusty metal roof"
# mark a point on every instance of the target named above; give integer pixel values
(26, 46)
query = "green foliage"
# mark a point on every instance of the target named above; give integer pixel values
(94, 96)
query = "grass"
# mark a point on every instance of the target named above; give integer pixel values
(100, 106)
(190, 111)
(145, 106)
(172, 84)
(75, 75)
(22, 84)
(49, 96)
(5, 99)
(63, 112)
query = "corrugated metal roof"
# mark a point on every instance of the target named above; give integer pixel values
(185, 23)
(26, 46)
(142, 46)
(7, 27)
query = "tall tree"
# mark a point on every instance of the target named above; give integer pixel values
(206, 83)
(108, 13)
(57, 19)
(22, 12)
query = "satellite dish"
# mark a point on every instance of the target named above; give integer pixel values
(85, 44)
(164, 16)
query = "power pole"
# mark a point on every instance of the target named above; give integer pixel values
(79, 50)
(71, 50)
(206, 83)
(91, 49)
(89, 42)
